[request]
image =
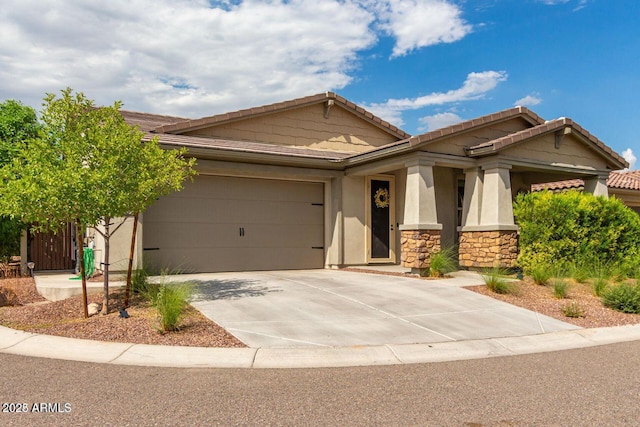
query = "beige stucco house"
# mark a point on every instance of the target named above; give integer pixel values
(319, 182)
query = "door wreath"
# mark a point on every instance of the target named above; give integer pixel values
(381, 198)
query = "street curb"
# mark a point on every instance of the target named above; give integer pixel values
(47, 346)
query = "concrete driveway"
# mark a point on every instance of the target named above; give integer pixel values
(329, 308)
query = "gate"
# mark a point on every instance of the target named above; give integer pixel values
(53, 251)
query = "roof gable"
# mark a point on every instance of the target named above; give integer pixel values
(559, 128)
(477, 123)
(322, 122)
(328, 98)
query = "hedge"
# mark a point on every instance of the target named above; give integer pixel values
(573, 226)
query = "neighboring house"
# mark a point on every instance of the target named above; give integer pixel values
(625, 185)
(319, 182)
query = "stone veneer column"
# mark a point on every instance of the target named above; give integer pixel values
(480, 249)
(420, 231)
(417, 247)
(489, 235)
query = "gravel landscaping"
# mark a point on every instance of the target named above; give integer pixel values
(30, 312)
(66, 318)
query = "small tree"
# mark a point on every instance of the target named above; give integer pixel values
(89, 166)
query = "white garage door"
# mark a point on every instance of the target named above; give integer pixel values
(236, 224)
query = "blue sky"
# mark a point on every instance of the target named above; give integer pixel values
(420, 64)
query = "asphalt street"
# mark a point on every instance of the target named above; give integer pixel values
(583, 387)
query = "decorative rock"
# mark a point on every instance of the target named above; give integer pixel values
(93, 308)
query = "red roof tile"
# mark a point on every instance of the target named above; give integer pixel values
(624, 180)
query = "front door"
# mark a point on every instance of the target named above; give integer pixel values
(381, 219)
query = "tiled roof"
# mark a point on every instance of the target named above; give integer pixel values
(550, 126)
(245, 146)
(188, 125)
(624, 180)
(524, 112)
(148, 122)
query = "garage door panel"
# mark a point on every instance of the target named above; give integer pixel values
(232, 224)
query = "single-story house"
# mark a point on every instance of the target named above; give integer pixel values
(320, 182)
(624, 185)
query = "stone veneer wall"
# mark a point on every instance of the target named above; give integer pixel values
(488, 249)
(417, 247)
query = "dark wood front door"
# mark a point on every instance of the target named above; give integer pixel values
(53, 251)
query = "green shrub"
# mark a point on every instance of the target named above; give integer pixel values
(623, 297)
(141, 285)
(443, 262)
(496, 281)
(574, 226)
(573, 310)
(580, 271)
(600, 286)
(541, 275)
(560, 288)
(171, 301)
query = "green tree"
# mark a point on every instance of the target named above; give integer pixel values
(18, 124)
(89, 167)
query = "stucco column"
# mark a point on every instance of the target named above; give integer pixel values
(497, 204)
(472, 202)
(489, 235)
(597, 185)
(420, 231)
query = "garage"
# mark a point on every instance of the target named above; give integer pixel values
(219, 223)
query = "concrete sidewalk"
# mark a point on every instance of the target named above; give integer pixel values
(56, 286)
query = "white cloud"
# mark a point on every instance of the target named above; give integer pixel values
(476, 86)
(440, 120)
(199, 57)
(630, 157)
(529, 100)
(420, 23)
(581, 3)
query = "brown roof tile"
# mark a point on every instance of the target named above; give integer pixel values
(245, 146)
(550, 126)
(187, 125)
(147, 122)
(524, 112)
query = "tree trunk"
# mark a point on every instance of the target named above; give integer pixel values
(83, 275)
(107, 236)
(127, 291)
